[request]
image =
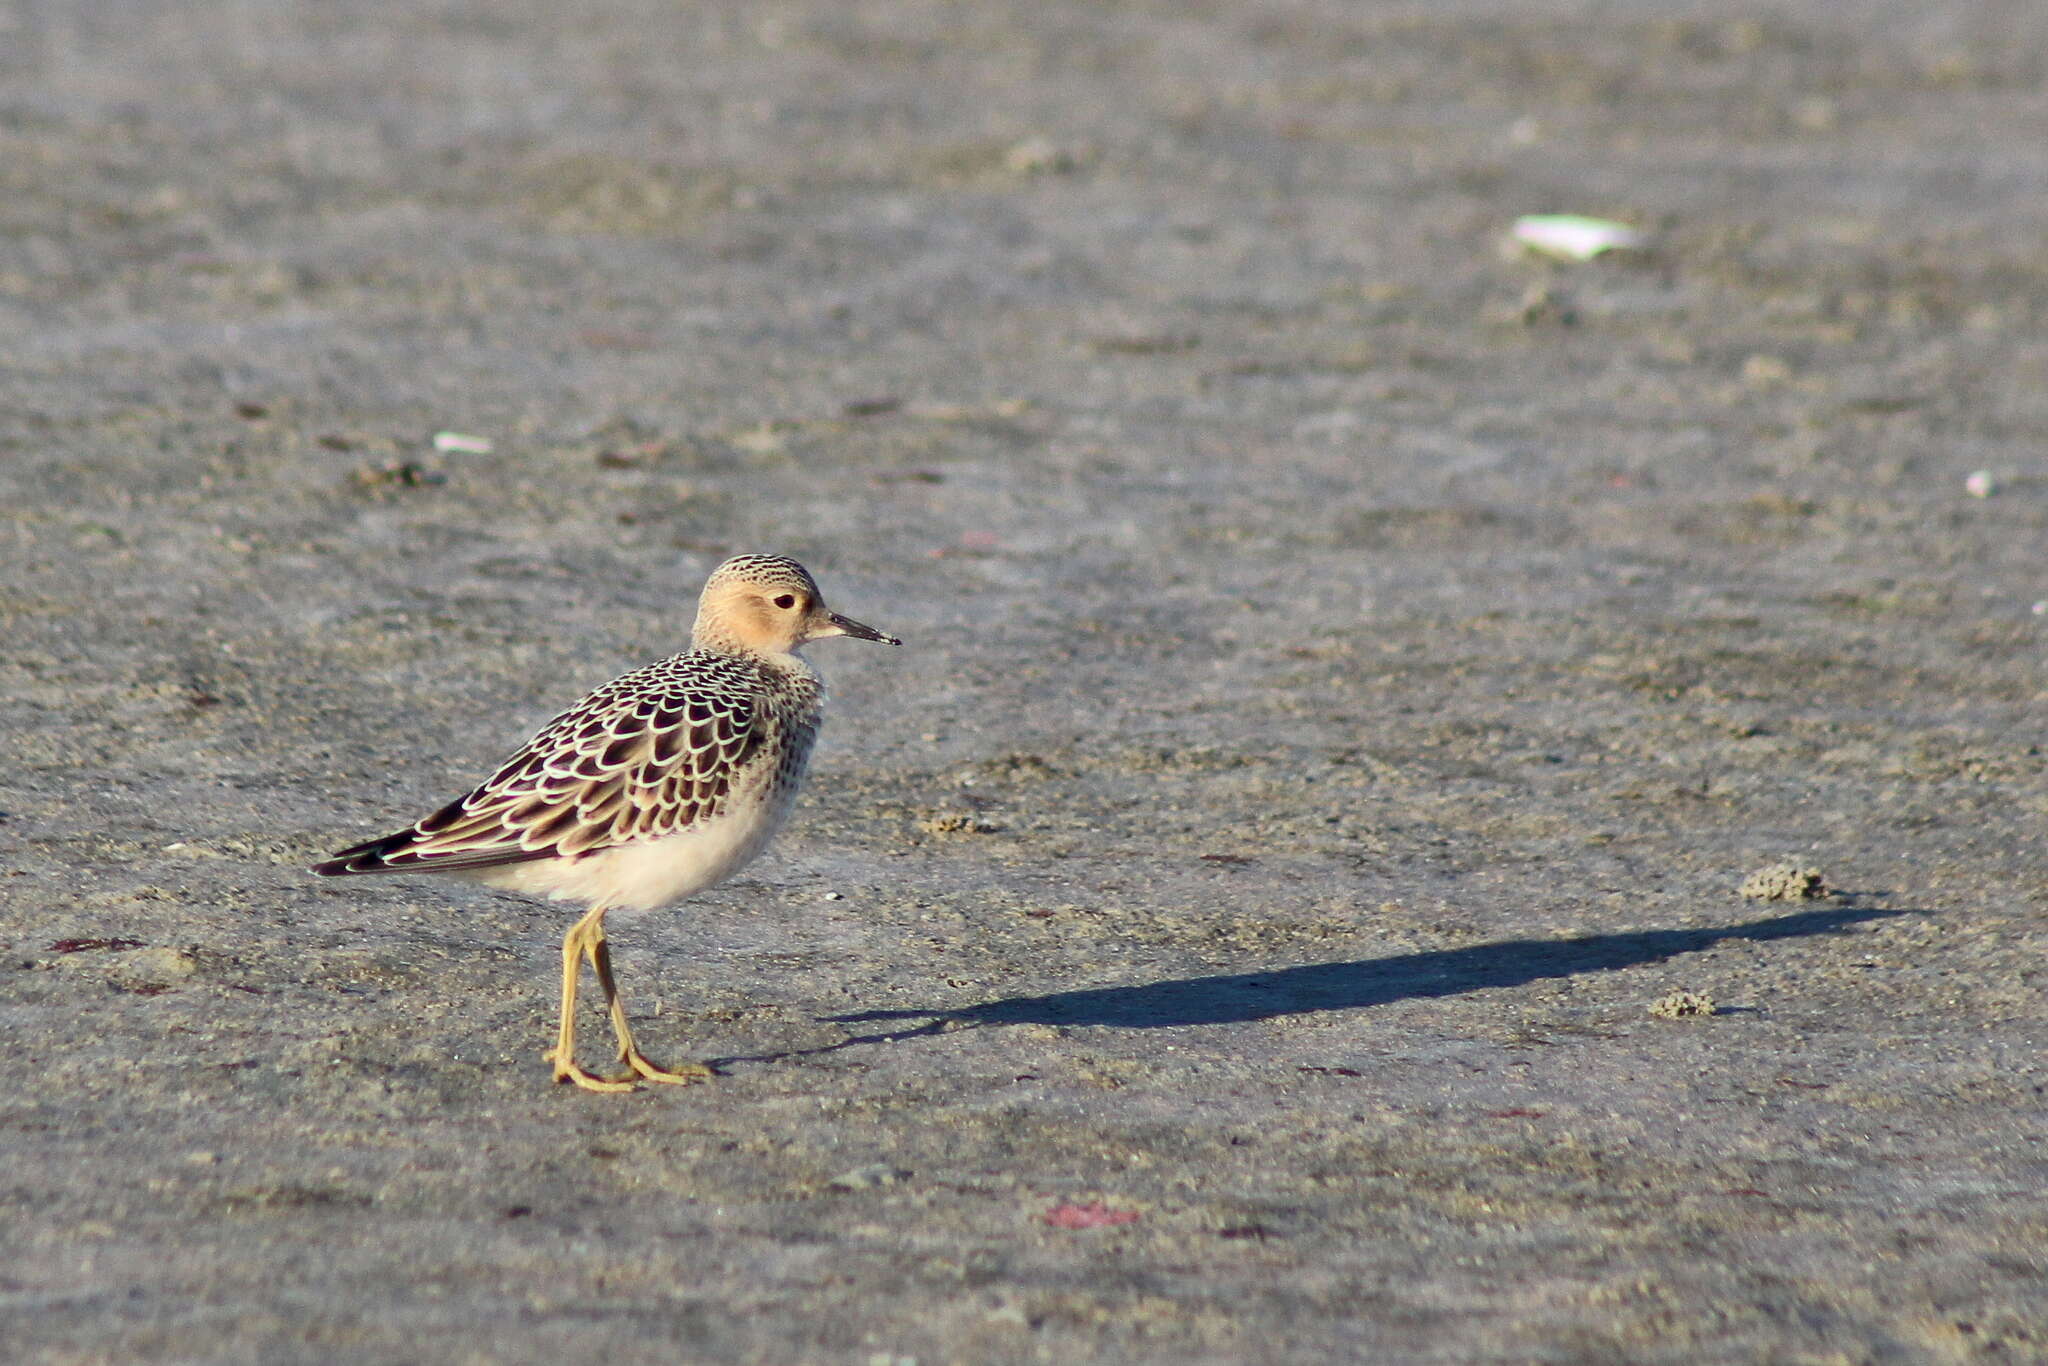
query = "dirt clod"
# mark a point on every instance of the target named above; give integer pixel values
(1680, 1004)
(1784, 882)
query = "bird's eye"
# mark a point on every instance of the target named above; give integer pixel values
(786, 601)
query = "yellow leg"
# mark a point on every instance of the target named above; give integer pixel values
(575, 945)
(629, 1052)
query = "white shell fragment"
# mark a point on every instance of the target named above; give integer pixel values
(462, 443)
(1570, 237)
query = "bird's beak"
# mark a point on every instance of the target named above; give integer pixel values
(849, 627)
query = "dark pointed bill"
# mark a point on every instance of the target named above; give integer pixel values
(860, 631)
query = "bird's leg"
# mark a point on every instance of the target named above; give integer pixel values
(629, 1052)
(575, 944)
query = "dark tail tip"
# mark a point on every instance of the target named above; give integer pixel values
(359, 858)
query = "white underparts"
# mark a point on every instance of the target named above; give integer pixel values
(645, 875)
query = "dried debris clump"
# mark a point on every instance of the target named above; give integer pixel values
(1679, 1005)
(1786, 881)
(956, 823)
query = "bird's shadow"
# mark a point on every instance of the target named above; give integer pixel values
(1234, 998)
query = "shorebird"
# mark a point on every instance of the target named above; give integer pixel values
(661, 783)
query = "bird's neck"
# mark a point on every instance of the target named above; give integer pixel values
(711, 639)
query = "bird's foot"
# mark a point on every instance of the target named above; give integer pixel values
(568, 1069)
(682, 1075)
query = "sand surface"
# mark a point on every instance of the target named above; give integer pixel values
(1350, 671)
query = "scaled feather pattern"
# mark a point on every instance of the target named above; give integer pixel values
(646, 756)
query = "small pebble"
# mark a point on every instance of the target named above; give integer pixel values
(1039, 156)
(1573, 237)
(461, 442)
(1981, 484)
(1762, 369)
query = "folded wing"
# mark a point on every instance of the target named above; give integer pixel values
(645, 756)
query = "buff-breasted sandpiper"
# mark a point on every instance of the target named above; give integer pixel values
(658, 785)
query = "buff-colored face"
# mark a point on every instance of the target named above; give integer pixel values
(769, 604)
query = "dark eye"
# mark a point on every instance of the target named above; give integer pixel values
(786, 601)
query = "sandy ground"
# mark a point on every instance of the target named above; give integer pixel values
(1350, 672)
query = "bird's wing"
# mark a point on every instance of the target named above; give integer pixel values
(646, 755)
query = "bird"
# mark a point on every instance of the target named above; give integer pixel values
(663, 782)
